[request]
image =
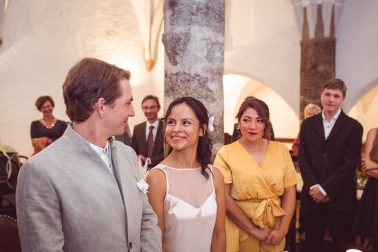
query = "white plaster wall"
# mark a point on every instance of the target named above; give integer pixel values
(43, 39)
(357, 49)
(262, 42)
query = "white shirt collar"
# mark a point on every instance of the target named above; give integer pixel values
(104, 154)
(155, 124)
(99, 150)
(334, 118)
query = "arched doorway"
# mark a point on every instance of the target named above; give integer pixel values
(236, 87)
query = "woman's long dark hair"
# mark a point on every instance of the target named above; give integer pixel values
(205, 145)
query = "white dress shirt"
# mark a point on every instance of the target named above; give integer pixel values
(154, 131)
(328, 125)
(105, 155)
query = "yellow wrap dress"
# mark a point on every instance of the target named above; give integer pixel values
(257, 190)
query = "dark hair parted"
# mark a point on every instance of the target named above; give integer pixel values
(262, 110)
(151, 97)
(88, 81)
(205, 145)
(42, 99)
(335, 84)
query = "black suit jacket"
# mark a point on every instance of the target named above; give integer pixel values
(139, 142)
(332, 163)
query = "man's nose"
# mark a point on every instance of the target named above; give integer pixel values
(131, 110)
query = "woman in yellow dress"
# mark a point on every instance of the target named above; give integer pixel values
(260, 183)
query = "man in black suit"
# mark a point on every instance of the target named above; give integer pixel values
(329, 153)
(148, 136)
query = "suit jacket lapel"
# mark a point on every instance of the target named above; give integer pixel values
(81, 145)
(143, 139)
(123, 190)
(158, 137)
(318, 125)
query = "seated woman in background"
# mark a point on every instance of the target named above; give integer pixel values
(186, 193)
(311, 109)
(46, 130)
(260, 183)
(366, 222)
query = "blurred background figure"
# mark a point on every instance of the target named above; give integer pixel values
(311, 109)
(46, 130)
(125, 137)
(260, 183)
(148, 136)
(366, 222)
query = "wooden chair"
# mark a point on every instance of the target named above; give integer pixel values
(9, 238)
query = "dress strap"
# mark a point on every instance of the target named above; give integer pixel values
(162, 167)
(211, 173)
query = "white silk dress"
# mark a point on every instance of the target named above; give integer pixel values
(190, 209)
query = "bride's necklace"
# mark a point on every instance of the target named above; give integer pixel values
(48, 126)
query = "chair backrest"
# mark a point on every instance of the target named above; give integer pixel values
(9, 238)
(9, 168)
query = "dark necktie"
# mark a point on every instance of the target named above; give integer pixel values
(150, 141)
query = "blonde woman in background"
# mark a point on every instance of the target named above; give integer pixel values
(311, 109)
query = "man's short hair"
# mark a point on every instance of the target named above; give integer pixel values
(335, 84)
(151, 97)
(86, 82)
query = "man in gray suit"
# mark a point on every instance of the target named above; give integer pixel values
(81, 193)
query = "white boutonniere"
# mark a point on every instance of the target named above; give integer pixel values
(142, 175)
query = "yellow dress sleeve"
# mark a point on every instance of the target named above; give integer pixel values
(291, 176)
(221, 163)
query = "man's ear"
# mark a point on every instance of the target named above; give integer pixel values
(99, 106)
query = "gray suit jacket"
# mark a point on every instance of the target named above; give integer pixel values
(67, 200)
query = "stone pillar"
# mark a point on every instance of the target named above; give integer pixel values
(318, 59)
(317, 20)
(194, 55)
(3, 5)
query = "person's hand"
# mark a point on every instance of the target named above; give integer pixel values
(275, 237)
(318, 196)
(142, 159)
(363, 165)
(260, 234)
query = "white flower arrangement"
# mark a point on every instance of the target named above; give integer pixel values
(142, 175)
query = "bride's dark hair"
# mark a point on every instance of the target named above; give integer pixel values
(205, 145)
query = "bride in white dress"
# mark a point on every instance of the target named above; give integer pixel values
(185, 191)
